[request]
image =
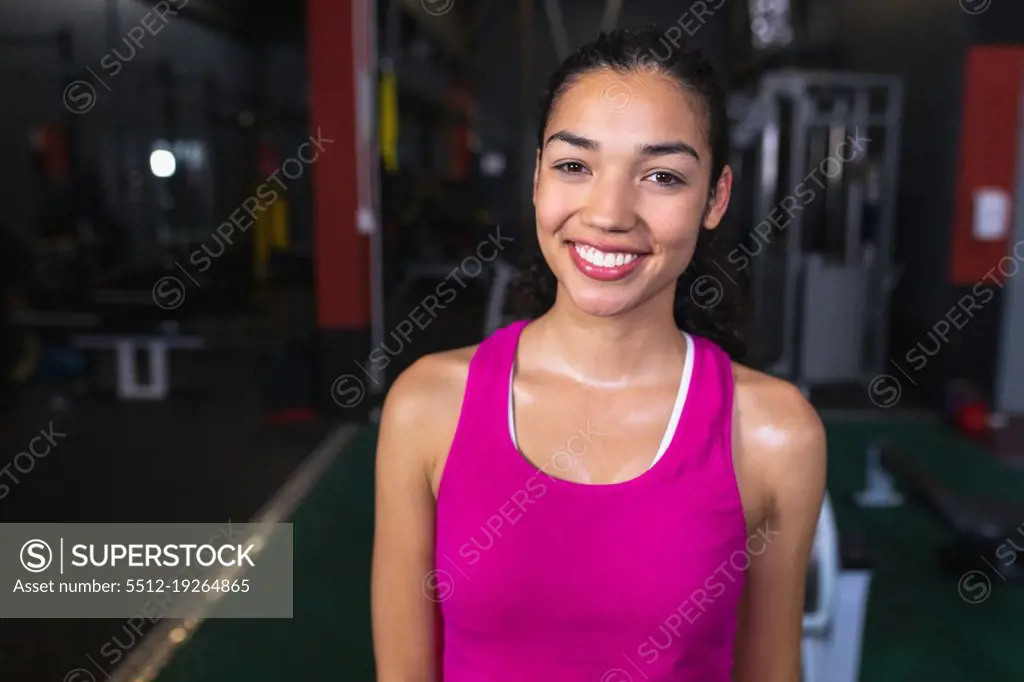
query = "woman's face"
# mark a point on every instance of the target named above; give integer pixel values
(621, 189)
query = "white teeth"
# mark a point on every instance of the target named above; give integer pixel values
(602, 259)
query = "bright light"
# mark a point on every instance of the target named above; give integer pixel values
(162, 163)
(492, 164)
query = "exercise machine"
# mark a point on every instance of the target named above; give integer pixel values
(836, 606)
(125, 333)
(880, 489)
(119, 316)
(817, 155)
(498, 276)
(153, 345)
(503, 276)
(556, 23)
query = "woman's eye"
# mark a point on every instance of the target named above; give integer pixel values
(571, 167)
(665, 179)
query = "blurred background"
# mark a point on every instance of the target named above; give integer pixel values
(228, 225)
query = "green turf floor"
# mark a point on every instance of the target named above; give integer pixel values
(918, 628)
(329, 636)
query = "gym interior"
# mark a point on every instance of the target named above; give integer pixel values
(220, 217)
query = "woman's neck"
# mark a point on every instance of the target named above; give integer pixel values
(638, 346)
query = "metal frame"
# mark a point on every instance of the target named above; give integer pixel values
(499, 277)
(366, 77)
(504, 276)
(762, 127)
(559, 34)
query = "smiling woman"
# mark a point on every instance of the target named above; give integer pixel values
(673, 545)
(642, 89)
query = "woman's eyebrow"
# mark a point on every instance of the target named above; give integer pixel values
(574, 140)
(649, 150)
(668, 148)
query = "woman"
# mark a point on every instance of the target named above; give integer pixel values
(597, 495)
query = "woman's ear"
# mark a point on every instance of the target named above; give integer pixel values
(718, 202)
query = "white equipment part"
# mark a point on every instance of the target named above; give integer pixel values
(156, 348)
(880, 490)
(833, 631)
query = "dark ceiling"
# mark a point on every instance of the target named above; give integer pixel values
(284, 21)
(253, 21)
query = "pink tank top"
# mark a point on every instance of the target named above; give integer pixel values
(542, 579)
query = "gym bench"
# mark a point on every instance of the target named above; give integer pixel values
(127, 347)
(980, 527)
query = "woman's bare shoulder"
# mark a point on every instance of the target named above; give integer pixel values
(780, 434)
(423, 405)
(767, 401)
(431, 382)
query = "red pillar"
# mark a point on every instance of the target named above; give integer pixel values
(341, 252)
(988, 157)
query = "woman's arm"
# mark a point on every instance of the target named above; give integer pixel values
(783, 440)
(403, 611)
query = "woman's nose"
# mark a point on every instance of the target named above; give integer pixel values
(611, 207)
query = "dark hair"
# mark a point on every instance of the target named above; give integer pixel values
(648, 51)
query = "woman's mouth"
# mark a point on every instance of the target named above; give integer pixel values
(605, 266)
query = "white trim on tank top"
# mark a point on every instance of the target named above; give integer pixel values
(673, 422)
